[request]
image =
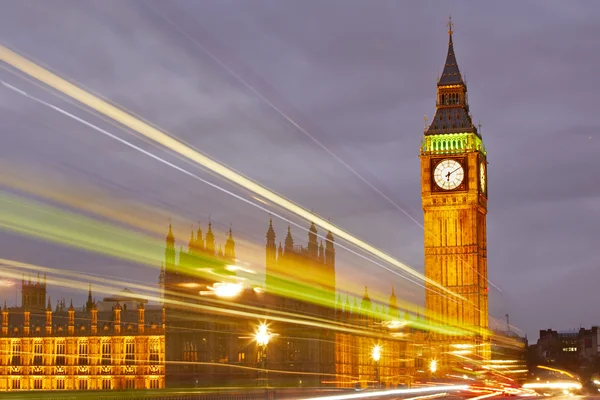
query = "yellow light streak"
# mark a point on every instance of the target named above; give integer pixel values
(28, 67)
(385, 393)
(556, 370)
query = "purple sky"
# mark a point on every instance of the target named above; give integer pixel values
(358, 76)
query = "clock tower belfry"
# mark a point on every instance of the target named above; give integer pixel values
(454, 197)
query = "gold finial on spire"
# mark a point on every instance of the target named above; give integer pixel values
(450, 25)
(425, 122)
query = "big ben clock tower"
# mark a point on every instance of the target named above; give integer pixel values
(454, 196)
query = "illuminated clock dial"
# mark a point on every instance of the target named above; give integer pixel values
(448, 174)
(482, 176)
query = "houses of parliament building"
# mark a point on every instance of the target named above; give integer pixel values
(317, 339)
(42, 348)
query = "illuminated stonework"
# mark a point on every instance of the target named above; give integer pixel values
(389, 332)
(65, 350)
(452, 143)
(455, 216)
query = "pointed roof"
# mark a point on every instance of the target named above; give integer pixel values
(289, 240)
(170, 236)
(271, 231)
(230, 235)
(209, 233)
(451, 74)
(452, 113)
(192, 241)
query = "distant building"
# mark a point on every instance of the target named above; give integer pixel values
(576, 350)
(65, 349)
(210, 337)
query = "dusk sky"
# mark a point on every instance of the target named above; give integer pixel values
(235, 79)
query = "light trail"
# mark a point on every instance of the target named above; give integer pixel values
(49, 223)
(301, 129)
(95, 103)
(212, 306)
(382, 393)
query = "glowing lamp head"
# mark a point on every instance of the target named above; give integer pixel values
(433, 366)
(262, 335)
(227, 289)
(376, 353)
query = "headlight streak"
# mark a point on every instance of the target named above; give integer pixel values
(381, 393)
(150, 132)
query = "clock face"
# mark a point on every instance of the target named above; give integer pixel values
(448, 174)
(482, 176)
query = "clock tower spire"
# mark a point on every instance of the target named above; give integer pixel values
(454, 198)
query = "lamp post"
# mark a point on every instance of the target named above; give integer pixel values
(376, 356)
(262, 337)
(433, 367)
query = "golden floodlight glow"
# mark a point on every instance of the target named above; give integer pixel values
(262, 335)
(26, 66)
(376, 353)
(223, 289)
(433, 366)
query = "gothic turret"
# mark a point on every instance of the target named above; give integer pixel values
(230, 246)
(365, 305)
(289, 242)
(210, 240)
(5, 320)
(89, 303)
(393, 308)
(71, 311)
(271, 248)
(330, 250)
(170, 250)
(192, 243)
(199, 239)
(321, 252)
(313, 246)
(49, 317)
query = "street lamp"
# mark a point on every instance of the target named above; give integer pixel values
(376, 356)
(262, 337)
(433, 366)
